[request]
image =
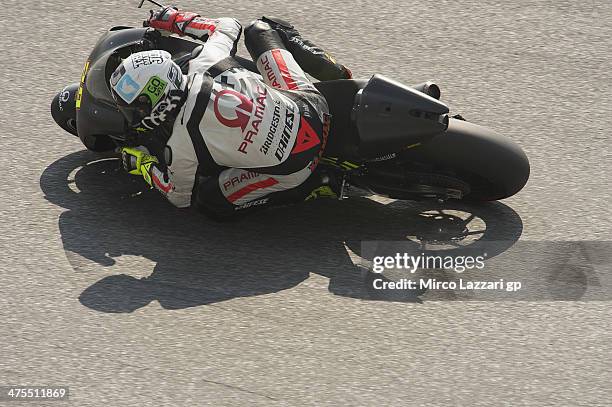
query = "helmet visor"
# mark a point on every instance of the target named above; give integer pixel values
(142, 106)
(135, 111)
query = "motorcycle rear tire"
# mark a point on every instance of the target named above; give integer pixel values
(494, 166)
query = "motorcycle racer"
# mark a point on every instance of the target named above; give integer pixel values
(238, 140)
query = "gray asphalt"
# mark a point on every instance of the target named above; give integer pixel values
(130, 302)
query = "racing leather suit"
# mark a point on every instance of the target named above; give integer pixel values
(240, 138)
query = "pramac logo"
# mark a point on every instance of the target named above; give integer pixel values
(241, 104)
(244, 110)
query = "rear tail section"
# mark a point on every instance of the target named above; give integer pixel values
(391, 116)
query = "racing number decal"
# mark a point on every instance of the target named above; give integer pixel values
(81, 85)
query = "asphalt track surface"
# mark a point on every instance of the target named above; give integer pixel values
(131, 302)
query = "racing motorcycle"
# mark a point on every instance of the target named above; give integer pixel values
(386, 138)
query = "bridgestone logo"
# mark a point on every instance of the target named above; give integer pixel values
(273, 128)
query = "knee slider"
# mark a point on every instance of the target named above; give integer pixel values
(277, 22)
(255, 28)
(260, 37)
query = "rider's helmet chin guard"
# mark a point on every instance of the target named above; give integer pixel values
(141, 86)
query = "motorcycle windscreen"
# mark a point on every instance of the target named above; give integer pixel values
(97, 113)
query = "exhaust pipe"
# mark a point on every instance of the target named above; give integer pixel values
(429, 88)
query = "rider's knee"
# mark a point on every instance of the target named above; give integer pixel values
(260, 37)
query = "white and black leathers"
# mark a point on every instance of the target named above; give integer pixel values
(240, 136)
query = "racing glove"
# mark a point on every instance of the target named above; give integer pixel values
(170, 19)
(137, 161)
(314, 60)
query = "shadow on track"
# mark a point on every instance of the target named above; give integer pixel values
(202, 262)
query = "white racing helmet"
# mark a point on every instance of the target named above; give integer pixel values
(146, 86)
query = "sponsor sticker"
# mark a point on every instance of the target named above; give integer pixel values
(127, 88)
(81, 85)
(148, 58)
(63, 98)
(154, 89)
